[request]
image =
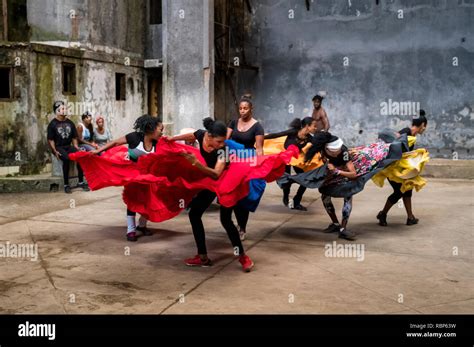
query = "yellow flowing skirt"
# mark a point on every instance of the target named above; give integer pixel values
(405, 171)
(275, 146)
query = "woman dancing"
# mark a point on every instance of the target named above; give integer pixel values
(418, 126)
(249, 132)
(211, 141)
(347, 171)
(141, 142)
(339, 165)
(299, 134)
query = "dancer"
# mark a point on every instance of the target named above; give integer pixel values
(418, 126)
(339, 164)
(211, 141)
(249, 132)
(85, 133)
(345, 173)
(299, 134)
(319, 114)
(63, 140)
(141, 142)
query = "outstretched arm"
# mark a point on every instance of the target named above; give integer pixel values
(279, 134)
(117, 142)
(214, 173)
(185, 137)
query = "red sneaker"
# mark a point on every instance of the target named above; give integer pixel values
(197, 261)
(247, 263)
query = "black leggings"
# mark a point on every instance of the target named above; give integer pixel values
(197, 208)
(301, 189)
(65, 151)
(397, 193)
(242, 216)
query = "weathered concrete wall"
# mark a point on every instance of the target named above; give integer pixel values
(154, 47)
(402, 59)
(38, 83)
(14, 114)
(112, 39)
(101, 25)
(187, 63)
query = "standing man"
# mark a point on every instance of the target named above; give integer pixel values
(62, 138)
(319, 114)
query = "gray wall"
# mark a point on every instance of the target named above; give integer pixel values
(187, 63)
(409, 59)
(118, 24)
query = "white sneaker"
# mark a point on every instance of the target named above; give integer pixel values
(242, 235)
(291, 204)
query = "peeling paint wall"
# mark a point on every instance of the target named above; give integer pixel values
(38, 83)
(402, 59)
(103, 25)
(14, 117)
(112, 40)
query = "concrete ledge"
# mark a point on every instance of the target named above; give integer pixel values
(33, 183)
(448, 168)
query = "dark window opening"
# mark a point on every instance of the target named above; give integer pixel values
(155, 12)
(155, 93)
(120, 84)
(131, 85)
(6, 77)
(69, 78)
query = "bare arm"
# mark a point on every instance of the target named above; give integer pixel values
(81, 140)
(229, 133)
(117, 142)
(214, 173)
(185, 137)
(53, 148)
(325, 121)
(75, 143)
(279, 134)
(259, 144)
(349, 173)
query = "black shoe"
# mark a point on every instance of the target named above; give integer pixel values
(285, 201)
(84, 186)
(299, 207)
(382, 217)
(412, 221)
(346, 234)
(332, 228)
(145, 231)
(67, 190)
(132, 236)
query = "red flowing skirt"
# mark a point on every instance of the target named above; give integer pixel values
(161, 184)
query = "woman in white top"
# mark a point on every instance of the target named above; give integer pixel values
(85, 132)
(101, 133)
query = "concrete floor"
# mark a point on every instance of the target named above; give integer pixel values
(83, 267)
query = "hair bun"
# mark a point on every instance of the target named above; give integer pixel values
(208, 122)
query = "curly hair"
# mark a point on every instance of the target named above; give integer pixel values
(146, 124)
